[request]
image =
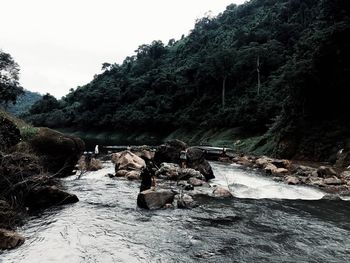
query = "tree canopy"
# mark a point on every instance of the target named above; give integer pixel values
(253, 64)
(9, 76)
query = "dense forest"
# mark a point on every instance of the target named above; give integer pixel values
(23, 103)
(273, 67)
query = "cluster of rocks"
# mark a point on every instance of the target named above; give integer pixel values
(327, 178)
(28, 170)
(177, 182)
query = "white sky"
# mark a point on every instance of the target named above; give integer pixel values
(61, 44)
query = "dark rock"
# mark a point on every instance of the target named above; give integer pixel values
(10, 239)
(195, 160)
(8, 216)
(46, 196)
(9, 134)
(169, 152)
(303, 170)
(336, 189)
(325, 172)
(155, 199)
(58, 153)
(331, 197)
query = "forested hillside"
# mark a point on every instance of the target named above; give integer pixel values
(279, 67)
(23, 103)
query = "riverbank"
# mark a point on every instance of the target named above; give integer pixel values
(31, 159)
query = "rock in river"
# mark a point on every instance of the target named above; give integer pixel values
(195, 160)
(222, 193)
(10, 239)
(127, 160)
(155, 199)
(46, 196)
(169, 152)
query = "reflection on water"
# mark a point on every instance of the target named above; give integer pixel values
(106, 225)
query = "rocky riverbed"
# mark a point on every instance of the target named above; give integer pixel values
(330, 179)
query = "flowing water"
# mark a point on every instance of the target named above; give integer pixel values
(266, 222)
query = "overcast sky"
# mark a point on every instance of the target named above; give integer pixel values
(61, 44)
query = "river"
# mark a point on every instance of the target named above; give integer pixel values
(265, 222)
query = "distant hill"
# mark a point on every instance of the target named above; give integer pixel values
(24, 103)
(277, 68)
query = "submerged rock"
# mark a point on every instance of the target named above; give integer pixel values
(10, 239)
(155, 199)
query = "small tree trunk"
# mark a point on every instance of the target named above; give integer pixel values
(223, 91)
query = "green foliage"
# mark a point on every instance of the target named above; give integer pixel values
(28, 132)
(9, 75)
(304, 63)
(23, 103)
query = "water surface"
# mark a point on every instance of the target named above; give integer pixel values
(266, 222)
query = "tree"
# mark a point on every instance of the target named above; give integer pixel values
(45, 105)
(220, 66)
(9, 76)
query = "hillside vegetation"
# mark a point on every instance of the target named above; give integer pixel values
(23, 103)
(275, 68)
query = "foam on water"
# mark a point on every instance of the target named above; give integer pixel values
(250, 184)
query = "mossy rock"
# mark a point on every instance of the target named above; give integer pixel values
(58, 153)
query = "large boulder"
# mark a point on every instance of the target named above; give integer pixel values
(169, 152)
(9, 134)
(155, 199)
(58, 153)
(127, 160)
(195, 160)
(46, 196)
(10, 239)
